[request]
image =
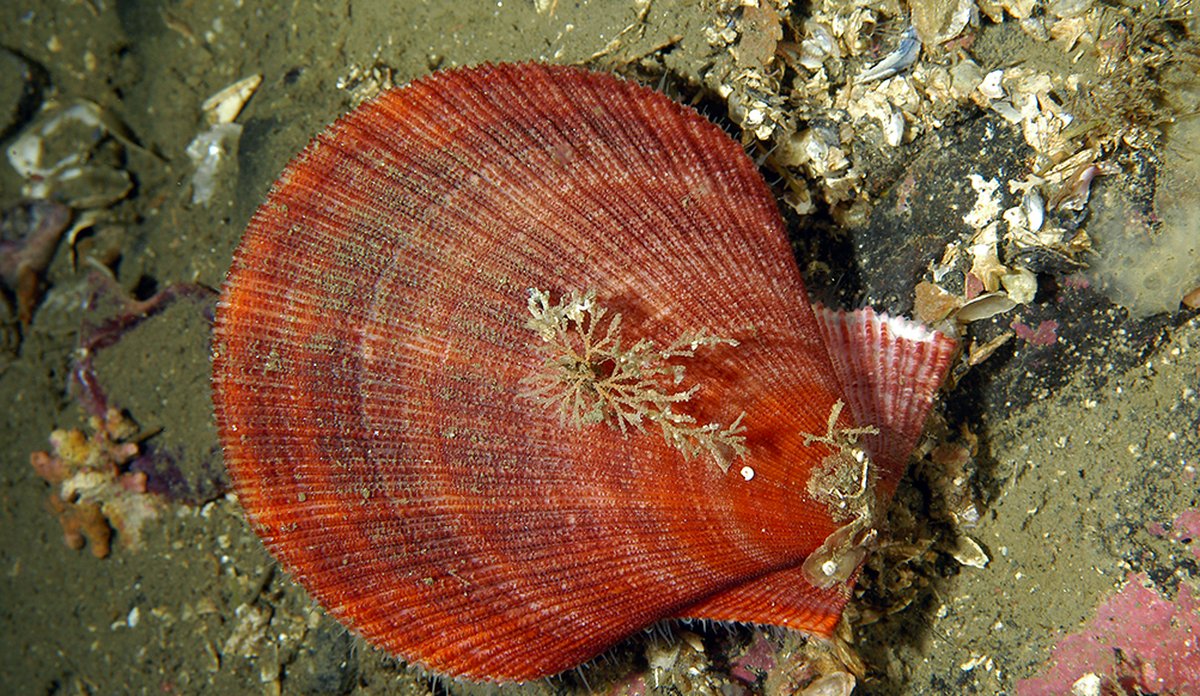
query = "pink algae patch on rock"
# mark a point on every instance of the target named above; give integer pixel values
(1137, 640)
(756, 662)
(1185, 529)
(1046, 333)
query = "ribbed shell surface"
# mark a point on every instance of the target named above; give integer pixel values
(371, 343)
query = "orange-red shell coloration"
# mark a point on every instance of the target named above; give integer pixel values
(371, 342)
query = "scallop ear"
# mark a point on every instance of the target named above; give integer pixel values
(889, 369)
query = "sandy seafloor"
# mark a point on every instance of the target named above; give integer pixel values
(1083, 465)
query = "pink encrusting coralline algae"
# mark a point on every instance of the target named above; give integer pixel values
(1185, 529)
(1139, 642)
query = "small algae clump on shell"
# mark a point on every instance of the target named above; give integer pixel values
(589, 377)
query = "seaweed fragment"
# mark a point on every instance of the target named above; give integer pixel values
(589, 376)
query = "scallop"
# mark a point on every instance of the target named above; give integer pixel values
(515, 360)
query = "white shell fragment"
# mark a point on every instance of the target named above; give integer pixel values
(985, 306)
(1034, 208)
(79, 122)
(207, 151)
(991, 86)
(987, 202)
(92, 186)
(816, 149)
(835, 684)
(898, 60)
(968, 552)
(938, 21)
(818, 44)
(893, 129)
(1020, 284)
(225, 105)
(1089, 684)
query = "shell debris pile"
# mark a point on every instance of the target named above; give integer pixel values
(76, 153)
(852, 81)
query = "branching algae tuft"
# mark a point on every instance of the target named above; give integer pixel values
(590, 377)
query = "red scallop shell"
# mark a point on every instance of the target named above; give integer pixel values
(371, 342)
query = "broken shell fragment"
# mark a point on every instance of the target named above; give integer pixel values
(1020, 284)
(225, 105)
(209, 152)
(977, 354)
(1192, 299)
(938, 21)
(92, 187)
(985, 306)
(816, 149)
(1034, 208)
(71, 152)
(31, 154)
(818, 44)
(836, 684)
(990, 86)
(903, 56)
(968, 552)
(932, 303)
(893, 129)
